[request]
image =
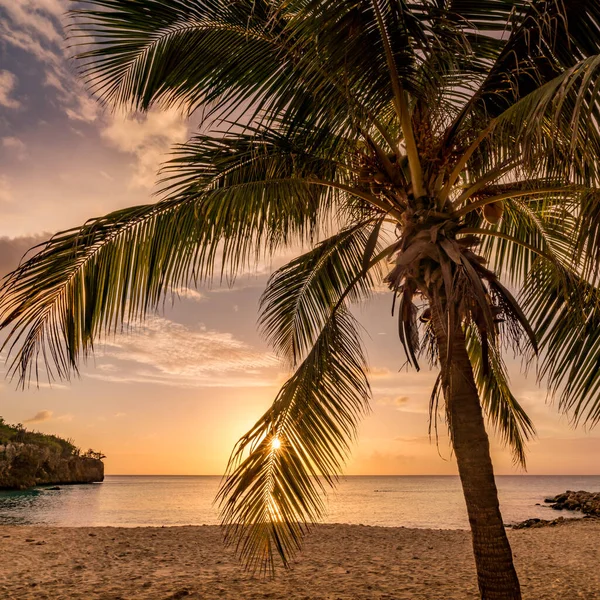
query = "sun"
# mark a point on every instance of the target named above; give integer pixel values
(276, 443)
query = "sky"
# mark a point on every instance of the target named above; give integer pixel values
(175, 395)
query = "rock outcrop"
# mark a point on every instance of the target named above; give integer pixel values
(537, 523)
(586, 502)
(26, 465)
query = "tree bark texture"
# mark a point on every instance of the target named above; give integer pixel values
(496, 573)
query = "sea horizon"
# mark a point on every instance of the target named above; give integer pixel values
(412, 501)
(363, 475)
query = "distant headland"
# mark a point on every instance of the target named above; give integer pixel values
(30, 458)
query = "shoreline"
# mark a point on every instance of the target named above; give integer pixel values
(345, 562)
(559, 520)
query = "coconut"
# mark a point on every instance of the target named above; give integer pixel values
(493, 212)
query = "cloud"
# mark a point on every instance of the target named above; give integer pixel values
(398, 401)
(148, 138)
(107, 176)
(190, 294)
(15, 146)
(379, 372)
(34, 26)
(40, 417)
(172, 354)
(149, 377)
(66, 418)
(12, 250)
(8, 82)
(39, 17)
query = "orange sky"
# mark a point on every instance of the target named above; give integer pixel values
(175, 396)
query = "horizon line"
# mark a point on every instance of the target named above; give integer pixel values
(364, 475)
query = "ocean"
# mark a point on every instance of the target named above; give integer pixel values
(408, 501)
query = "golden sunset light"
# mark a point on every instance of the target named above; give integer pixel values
(300, 283)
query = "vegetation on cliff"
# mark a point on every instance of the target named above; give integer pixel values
(11, 434)
(18, 434)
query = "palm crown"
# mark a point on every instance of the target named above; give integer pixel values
(438, 147)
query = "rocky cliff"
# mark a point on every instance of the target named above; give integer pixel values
(25, 465)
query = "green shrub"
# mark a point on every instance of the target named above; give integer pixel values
(19, 434)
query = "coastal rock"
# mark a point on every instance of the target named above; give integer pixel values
(586, 502)
(537, 523)
(24, 466)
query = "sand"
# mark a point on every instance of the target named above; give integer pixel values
(339, 562)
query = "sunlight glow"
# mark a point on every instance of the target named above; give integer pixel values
(275, 514)
(276, 443)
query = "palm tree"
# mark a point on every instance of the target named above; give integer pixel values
(439, 146)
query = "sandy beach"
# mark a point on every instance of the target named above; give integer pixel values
(339, 562)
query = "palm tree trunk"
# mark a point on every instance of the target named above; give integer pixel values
(496, 573)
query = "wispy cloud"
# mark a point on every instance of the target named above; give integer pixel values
(170, 353)
(379, 373)
(34, 26)
(39, 17)
(420, 439)
(190, 294)
(107, 176)
(397, 401)
(13, 249)
(8, 82)
(148, 138)
(40, 417)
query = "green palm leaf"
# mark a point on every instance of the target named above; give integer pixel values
(273, 492)
(92, 279)
(225, 201)
(301, 296)
(534, 227)
(187, 53)
(501, 407)
(545, 38)
(566, 315)
(555, 126)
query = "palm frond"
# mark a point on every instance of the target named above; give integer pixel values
(227, 201)
(263, 187)
(93, 278)
(347, 115)
(175, 51)
(555, 127)
(542, 39)
(566, 317)
(586, 235)
(271, 495)
(300, 296)
(502, 409)
(534, 227)
(246, 57)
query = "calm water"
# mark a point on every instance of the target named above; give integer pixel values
(389, 501)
